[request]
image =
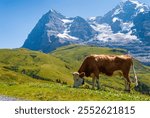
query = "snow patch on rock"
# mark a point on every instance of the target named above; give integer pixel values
(106, 34)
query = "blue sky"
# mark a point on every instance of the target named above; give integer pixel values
(18, 17)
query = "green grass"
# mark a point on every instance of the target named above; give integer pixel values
(55, 91)
(31, 75)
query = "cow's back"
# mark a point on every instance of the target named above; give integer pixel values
(106, 64)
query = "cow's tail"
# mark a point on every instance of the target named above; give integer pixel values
(135, 76)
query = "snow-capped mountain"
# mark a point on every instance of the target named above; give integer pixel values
(119, 22)
(125, 12)
(126, 26)
(54, 30)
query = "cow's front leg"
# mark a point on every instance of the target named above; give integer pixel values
(98, 84)
(93, 82)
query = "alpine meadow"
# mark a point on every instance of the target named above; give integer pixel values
(33, 75)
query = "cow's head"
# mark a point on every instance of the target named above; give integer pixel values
(78, 79)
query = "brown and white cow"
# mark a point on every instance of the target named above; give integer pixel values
(93, 65)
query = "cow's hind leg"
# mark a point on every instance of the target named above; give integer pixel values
(127, 82)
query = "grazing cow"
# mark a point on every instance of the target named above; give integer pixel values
(93, 65)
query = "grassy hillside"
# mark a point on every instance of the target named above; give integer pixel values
(34, 64)
(32, 75)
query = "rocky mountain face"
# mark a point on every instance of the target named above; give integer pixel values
(142, 26)
(43, 36)
(54, 30)
(123, 14)
(124, 19)
(126, 26)
(81, 29)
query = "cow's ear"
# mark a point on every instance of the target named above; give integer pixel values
(82, 74)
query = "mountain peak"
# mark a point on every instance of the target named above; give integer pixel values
(137, 4)
(78, 18)
(53, 11)
(132, 1)
(129, 9)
